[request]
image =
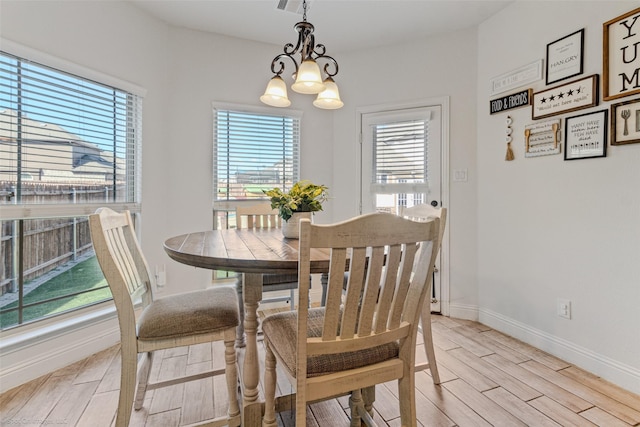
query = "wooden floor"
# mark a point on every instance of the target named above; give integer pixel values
(487, 379)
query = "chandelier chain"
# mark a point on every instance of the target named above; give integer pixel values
(304, 10)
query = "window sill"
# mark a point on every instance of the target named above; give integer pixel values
(38, 332)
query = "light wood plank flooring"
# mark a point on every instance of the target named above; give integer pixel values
(487, 379)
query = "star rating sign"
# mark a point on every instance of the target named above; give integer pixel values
(568, 97)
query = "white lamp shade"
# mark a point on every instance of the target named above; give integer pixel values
(329, 98)
(308, 79)
(276, 93)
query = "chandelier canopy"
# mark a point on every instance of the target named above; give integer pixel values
(307, 75)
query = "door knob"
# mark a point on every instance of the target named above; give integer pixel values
(434, 203)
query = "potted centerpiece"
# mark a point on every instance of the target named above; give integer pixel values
(301, 201)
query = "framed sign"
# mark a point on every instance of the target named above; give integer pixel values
(517, 78)
(565, 57)
(586, 136)
(625, 122)
(509, 102)
(542, 138)
(576, 95)
(621, 61)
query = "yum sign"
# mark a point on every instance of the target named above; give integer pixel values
(621, 58)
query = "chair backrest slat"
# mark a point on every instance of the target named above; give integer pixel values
(354, 293)
(388, 287)
(371, 290)
(402, 288)
(334, 294)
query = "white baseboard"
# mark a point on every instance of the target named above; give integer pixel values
(463, 311)
(611, 370)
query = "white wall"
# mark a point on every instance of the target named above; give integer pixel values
(436, 67)
(549, 228)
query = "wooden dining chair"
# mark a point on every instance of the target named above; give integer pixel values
(175, 321)
(256, 216)
(369, 336)
(424, 212)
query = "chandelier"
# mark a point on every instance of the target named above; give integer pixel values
(308, 79)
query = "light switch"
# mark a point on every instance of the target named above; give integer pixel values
(460, 175)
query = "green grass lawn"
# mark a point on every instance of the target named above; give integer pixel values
(84, 276)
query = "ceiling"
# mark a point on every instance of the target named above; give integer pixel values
(341, 25)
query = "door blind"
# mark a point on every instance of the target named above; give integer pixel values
(400, 157)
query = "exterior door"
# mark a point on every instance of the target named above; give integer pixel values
(401, 157)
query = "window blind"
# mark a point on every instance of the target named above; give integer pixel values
(400, 157)
(66, 139)
(254, 152)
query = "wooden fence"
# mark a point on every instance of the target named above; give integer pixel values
(47, 243)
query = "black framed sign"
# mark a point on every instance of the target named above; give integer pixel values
(508, 102)
(565, 57)
(586, 136)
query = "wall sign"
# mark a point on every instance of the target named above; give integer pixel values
(542, 139)
(565, 57)
(578, 94)
(586, 136)
(509, 102)
(625, 122)
(620, 56)
(517, 78)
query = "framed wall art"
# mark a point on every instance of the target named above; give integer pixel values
(621, 61)
(576, 95)
(625, 122)
(586, 136)
(517, 78)
(565, 57)
(542, 138)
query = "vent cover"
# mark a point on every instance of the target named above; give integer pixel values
(294, 6)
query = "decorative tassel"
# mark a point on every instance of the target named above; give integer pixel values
(509, 155)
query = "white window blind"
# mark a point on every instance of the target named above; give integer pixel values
(65, 139)
(254, 151)
(400, 157)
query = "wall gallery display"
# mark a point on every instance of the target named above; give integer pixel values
(542, 138)
(565, 57)
(620, 56)
(625, 122)
(576, 95)
(586, 136)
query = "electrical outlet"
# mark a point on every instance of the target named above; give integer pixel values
(161, 276)
(564, 308)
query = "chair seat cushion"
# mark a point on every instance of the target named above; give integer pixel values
(205, 311)
(280, 331)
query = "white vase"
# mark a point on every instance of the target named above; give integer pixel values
(291, 228)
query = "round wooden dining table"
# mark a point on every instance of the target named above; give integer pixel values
(251, 252)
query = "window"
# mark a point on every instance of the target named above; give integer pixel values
(253, 151)
(68, 144)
